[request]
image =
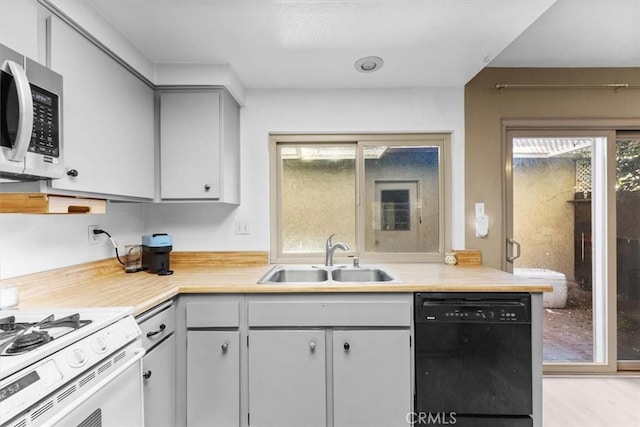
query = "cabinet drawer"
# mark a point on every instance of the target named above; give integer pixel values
(319, 313)
(157, 327)
(213, 314)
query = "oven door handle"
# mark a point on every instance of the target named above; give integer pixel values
(138, 354)
(25, 118)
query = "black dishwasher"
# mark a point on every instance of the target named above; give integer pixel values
(473, 359)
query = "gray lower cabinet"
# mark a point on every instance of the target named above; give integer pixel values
(159, 365)
(371, 377)
(213, 372)
(329, 360)
(287, 374)
(291, 360)
(210, 365)
(159, 385)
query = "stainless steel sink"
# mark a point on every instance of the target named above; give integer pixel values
(361, 274)
(318, 274)
(282, 274)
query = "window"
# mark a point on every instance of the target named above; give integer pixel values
(383, 195)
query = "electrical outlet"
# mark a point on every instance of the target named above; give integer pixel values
(242, 227)
(94, 239)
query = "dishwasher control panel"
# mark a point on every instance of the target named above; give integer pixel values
(483, 308)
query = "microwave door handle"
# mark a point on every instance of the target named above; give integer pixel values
(25, 120)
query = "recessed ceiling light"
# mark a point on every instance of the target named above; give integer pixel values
(369, 64)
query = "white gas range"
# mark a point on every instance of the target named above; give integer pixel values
(70, 367)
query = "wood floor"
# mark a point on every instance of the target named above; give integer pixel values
(611, 401)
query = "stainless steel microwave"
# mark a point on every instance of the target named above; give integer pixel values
(30, 119)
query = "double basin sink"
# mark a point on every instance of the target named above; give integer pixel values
(324, 275)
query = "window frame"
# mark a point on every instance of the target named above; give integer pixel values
(360, 140)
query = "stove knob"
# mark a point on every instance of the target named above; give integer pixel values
(77, 357)
(100, 344)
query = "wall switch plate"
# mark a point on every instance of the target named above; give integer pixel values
(94, 239)
(479, 209)
(242, 227)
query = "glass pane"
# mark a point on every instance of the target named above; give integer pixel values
(552, 222)
(395, 210)
(402, 199)
(628, 248)
(318, 187)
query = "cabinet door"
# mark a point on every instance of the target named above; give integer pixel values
(107, 120)
(190, 145)
(371, 378)
(19, 26)
(287, 378)
(160, 384)
(213, 378)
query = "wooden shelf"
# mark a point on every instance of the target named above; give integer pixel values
(38, 203)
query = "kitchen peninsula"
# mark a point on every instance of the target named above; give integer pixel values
(242, 351)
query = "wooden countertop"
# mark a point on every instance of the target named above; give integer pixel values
(104, 283)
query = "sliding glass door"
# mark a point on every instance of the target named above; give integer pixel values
(628, 248)
(558, 206)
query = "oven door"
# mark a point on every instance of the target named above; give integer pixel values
(116, 401)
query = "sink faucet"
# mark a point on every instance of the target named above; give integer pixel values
(330, 248)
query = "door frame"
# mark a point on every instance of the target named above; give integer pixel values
(576, 127)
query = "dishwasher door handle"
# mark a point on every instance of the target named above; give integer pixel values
(515, 245)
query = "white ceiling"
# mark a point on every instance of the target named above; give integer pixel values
(315, 43)
(579, 33)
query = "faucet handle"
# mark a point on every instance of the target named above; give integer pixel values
(329, 239)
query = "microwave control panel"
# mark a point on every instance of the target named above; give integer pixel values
(45, 136)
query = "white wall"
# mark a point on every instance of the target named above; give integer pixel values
(210, 227)
(33, 243)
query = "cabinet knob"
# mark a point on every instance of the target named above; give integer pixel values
(162, 328)
(312, 346)
(146, 375)
(225, 347)
(207, 187)
(72, 172)
(346, 346)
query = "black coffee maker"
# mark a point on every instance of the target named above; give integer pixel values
(155, 253)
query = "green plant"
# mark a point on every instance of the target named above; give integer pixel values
(628, 165)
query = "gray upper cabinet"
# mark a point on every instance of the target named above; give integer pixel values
(20, 27)
(108, 120)
(199, 146)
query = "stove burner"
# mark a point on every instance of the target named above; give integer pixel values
(23, 337)
(8, 327)
(28, 341)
